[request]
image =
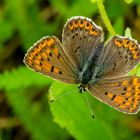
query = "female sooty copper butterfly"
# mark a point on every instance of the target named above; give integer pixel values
(83, 59)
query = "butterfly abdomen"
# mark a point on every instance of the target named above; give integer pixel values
(89, 70)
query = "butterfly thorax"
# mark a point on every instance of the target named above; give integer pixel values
(91, 71)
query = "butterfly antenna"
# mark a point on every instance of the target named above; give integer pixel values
(89, 105)
(60, 96)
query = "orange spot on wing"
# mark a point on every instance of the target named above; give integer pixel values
(71, 25)
(46, 66)
(75, 23)
(29, 62)
(81, 23)
(30, 56)
(135, 105)
(137, 87)
(132, 110)
(38, 48)
(134, 50)
(110, 95)
(127, 103)
(44, 55)
(137, 93)
(122, 106)
(93, 31)
(129, 99)
(118, 42)
(87, 25)
(135, 81)
(48, 50)
(128, 94)
(136, 55)
(127, 43)
(119, 99)
(43, 43)
(37, 61)
(129, 88)
(38, 57)
(50, 41)
(33, 53)
(125, 83)
(55, 50)
(131, 47)
(56, 70)
(38, 68)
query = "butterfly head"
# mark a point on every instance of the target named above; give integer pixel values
(82, 88)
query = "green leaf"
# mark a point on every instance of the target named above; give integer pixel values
(119, 25)
(35, 116)
(128, 32)
(128, 1)
(22, 86)
(22, 77)
(93, 1)
(6, 30)
(74, 8)
(72, 113)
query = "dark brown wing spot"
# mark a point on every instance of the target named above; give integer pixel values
(114, 67)
(48, 59)
(73, 36)
(113, 97)
(58, 56)
(60, 72)
(123, 93)
(50, 54)
(40, 63)
(125, 88)
(52, 68)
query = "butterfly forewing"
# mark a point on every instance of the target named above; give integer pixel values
(80, 38)
(47, 57)
(123, 93)
(120, 56)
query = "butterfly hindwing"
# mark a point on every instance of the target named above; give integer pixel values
(47, 57)
(120, 56)
(122, 93)
(80, 38)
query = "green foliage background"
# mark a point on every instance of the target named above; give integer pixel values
(25, 111)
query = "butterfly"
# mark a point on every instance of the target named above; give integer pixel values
(84, 59)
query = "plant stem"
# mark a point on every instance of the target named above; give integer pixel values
(105, 17)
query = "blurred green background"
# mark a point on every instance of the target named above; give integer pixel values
(25, 111)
